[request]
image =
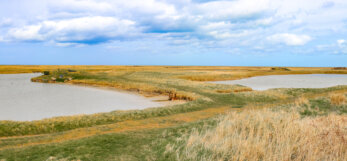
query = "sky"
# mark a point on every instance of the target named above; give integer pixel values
(174, 32)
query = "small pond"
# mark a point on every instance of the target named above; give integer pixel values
(23, 100)
(290, 81)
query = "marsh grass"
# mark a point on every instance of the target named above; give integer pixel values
(267, 135)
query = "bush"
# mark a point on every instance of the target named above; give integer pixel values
(60, 79)
(280, 69)
(45, 72)
(70, 70)
(339, 68)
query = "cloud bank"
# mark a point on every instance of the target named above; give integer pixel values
(235, 26)
(88, 30)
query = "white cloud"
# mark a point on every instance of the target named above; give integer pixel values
(77, 29)
(228, 34)
(148, 7)
(5, 22)
(79, 5)
(341, 42)
(26, 33)
(222, 25)
(231, 9)
(342, 45)
(265, 21)
(289, 39)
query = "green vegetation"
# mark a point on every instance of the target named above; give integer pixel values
(323, 106)
(138, 145)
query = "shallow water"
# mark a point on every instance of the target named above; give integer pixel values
(21, 99)
(290, 81)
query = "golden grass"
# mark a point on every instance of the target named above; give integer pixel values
(200, 73)
(338, 99)
(142, 88)
(269, 136)
(301, 101)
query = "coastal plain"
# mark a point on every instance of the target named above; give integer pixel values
(185, 130)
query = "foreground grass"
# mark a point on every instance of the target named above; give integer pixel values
(139, 145)
(131, 125)
(273, 134)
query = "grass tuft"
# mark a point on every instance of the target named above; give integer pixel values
(338, 99)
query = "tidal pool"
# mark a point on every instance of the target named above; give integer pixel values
(290, 81)
(23, 100)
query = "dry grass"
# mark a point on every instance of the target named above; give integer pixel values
(269, 136)
(301, 101)
(338, 99)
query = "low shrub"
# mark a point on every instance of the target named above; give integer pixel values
(280, 69)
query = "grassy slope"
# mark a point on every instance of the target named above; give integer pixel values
(147, 80)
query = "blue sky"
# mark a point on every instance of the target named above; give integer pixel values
(174, 32)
